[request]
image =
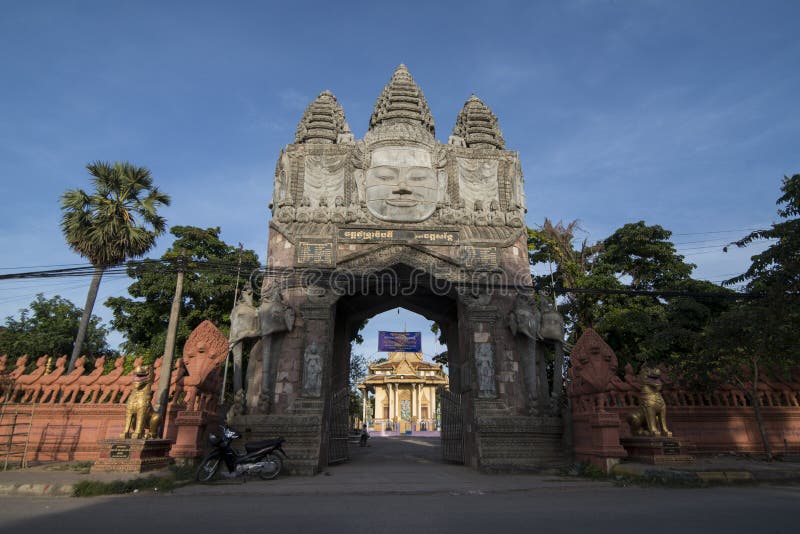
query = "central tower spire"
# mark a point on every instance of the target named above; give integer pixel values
(402, 101)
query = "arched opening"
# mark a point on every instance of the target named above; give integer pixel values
(406, 399)
(394, 391)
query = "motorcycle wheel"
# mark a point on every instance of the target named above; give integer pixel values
(275, 460)
(207, 470)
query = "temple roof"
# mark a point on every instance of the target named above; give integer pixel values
(406, 364)
(402, 101)
(409, 356)
(322, 122)
(477, 125)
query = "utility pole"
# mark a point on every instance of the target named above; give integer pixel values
(162, 393)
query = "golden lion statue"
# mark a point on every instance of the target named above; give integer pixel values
(651, 417)
(138, 411)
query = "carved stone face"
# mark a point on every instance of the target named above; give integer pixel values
(401, 184)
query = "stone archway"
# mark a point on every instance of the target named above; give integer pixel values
(397, 219)
(424, 300)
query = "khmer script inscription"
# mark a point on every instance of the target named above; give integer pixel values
(309, 253)
(386, 236)
(480, 257)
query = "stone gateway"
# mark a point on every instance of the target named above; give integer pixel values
(398, 219)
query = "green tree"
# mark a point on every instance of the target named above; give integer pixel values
(742, 345)
(653, 328)
(553, 244)
(358, 372)
(358, 338)
(759, 336)
(776, 271)
(443, 357)
(49, 326)
(211, 268)
(604, 278)
(646, 255)
(117, 221)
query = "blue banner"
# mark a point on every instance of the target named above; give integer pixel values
(400, 341)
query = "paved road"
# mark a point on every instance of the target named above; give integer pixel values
(602, 509)
(401, 486)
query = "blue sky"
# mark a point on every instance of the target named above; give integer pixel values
(680, 113)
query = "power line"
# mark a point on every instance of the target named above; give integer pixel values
(291, 277)
(43, 266)
(721, 231)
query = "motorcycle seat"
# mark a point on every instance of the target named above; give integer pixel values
(254, 446)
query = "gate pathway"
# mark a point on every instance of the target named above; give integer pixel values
(405, 465)
(388, 454)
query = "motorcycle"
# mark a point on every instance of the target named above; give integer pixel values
(262, 458)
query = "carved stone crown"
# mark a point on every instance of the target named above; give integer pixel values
(323, 121)
(402, 101)
(477, 125)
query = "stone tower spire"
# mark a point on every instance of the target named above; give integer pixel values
(477, 125)
(323, 122)
(402, 101)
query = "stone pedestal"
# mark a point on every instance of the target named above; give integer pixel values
(656, 450)
(192, 425)
(606, 450)
(132, 455)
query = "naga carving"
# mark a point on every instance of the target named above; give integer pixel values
(651, 417)
(140, 420)
(203, 353)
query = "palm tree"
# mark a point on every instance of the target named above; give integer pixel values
(117, 222)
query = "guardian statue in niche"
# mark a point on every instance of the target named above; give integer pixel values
(484, 360)
(312, 370)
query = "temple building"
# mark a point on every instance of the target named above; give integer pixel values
(404, 389)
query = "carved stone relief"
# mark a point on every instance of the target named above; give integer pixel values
(552, 322)
(477, 180)
(484, 363)
(400, 184)
(312, 370)
(324, 177)
(280, 192)
(525, 318)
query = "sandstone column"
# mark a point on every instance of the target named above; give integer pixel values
(397, 401)
(364, 407)
(414, 402)
(390, 394)
(419, 402)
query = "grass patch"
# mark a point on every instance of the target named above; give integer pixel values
(592, 472)
(93, 488)
(184, 472)
(178, 476)
(586, 470)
